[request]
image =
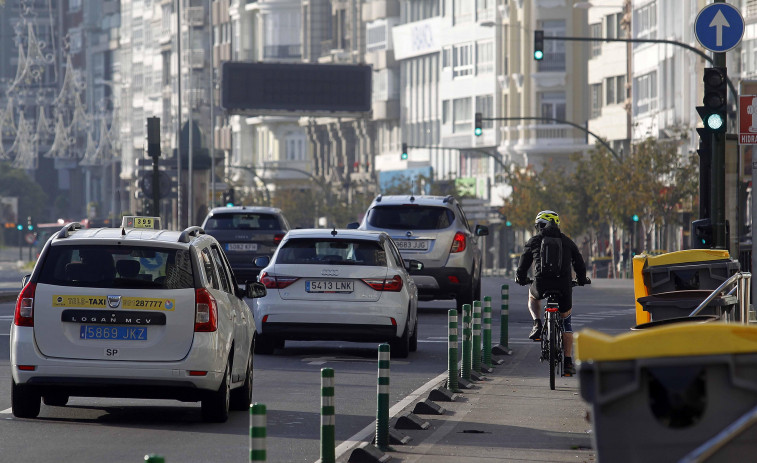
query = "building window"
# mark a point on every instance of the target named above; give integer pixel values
(485, 105)
(74, 5)
(295, 147)
(596, 100)
(463, 11)
(554, 50)
(620, 89)
(375, 37)
(610, 90)
(645, 21)
(462, 60)
(596, 32)
(485, 57)
(645, 93)
(552, 105)
(75, 41)
(462, 116)
(446, 57)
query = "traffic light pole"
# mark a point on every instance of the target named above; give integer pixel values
(476, 150)
(717, 178)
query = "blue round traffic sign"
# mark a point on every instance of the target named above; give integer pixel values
(719, 27)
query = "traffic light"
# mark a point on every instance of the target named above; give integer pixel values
(228, 197)
(19, 227)
(478, 124)
(29, 224)
(635, 218)
(702, 233)
(403, 156)
(715, 101)
(538, 45)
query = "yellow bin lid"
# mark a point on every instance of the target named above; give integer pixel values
(687, 255)
(675, 340)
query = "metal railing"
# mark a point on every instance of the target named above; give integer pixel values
(742, 286)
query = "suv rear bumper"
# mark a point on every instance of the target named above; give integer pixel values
(439, 283)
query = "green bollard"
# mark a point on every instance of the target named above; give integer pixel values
(487, 349)
(467, 342)
(328, 419)
(452, 351)
(476, 353)
(382, 404)
(154, 459)
(502, 348)
(257, 432)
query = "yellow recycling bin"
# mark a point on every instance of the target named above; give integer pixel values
(660, 393)
(691, 269)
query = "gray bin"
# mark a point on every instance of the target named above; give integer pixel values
(707, 274)
(661, 409)
(674, 304)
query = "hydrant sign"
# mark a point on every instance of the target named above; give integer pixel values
(748, 120)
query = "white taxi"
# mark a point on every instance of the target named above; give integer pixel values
(349, 285)
(133, 312)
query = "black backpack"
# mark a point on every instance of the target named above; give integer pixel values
(550, 256)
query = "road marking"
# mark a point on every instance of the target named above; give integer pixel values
(6, 411)
(361, 435)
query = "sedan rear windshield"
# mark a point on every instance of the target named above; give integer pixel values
(332, 252)
(245, 221)
(410, 217)
(116, 266)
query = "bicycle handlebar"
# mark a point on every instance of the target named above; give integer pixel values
(572, 282)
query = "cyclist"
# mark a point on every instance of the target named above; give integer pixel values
(547, 224)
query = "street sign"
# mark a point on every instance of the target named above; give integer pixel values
(30, 238)
(719, 27)
(747, 119)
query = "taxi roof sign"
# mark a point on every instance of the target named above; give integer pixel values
(133, 221)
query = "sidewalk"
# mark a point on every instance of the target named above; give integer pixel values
(506, 417)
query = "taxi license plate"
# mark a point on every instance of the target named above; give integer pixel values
(242, 247)
(414, 245)
(329, 286)
(123, 333)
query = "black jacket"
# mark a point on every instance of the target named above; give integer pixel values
(571, 257)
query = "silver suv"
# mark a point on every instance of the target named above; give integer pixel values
(434, 231)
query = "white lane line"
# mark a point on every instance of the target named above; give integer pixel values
(6, 411)
(361, 435)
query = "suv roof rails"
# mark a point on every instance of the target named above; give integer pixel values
(190, 232)
(448, 199)
(66, 230)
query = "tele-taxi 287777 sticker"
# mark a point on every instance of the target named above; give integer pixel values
(113, 302)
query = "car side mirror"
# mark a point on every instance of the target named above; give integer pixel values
(413, 265)
(254, 290)
(353, 225)
(482, 230)
(262, 261)
(25, 280)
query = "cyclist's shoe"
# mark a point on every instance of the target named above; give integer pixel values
(569, 369)
(536, 331)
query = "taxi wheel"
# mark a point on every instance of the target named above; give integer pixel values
(55, 400)
(241, 397)
(414, 338)
(400, 347)
(215, 406)
(25, 403)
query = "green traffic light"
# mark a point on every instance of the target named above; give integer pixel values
(714, 121)
(229, 204)
(538, 55)
(478, 131)
(635, 218)
(508, 223)
(19, 227)
(404, 156)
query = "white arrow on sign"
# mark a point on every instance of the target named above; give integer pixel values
(719, 22)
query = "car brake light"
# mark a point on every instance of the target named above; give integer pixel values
(277, 238)
(381, 284)
(458, 242)
(276, 282)
(206, 311)
(24, 315)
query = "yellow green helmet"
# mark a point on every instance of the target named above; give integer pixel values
(544, 217)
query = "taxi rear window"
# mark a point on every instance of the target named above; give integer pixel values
(117, 267)
(332, 252)
(242, 221)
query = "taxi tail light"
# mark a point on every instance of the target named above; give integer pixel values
(277, 238)
(385, 284)
(24, 315)
(206, 311)
(276, 282)
(458, 243)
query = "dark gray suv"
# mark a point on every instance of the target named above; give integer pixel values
(246, 232)
(434, 231)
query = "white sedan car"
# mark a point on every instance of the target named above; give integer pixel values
(137, 312)
(348, 285)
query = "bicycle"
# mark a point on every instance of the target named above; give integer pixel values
(552, 334)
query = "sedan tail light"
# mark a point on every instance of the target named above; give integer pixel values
(277, 238)
(24, 315)
(276, 282)
(385, 284)
(206, 311)
(458, 243)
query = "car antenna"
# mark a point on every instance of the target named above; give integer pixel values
(333, 232)
(123, 231)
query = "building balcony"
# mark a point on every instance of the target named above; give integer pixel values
(380, 9)
(533, 136)
(293, 51)
(194, 16)
(194, 58)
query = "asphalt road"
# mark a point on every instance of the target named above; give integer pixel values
(288, 383)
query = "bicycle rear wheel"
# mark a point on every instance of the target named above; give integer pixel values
(552, 353)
